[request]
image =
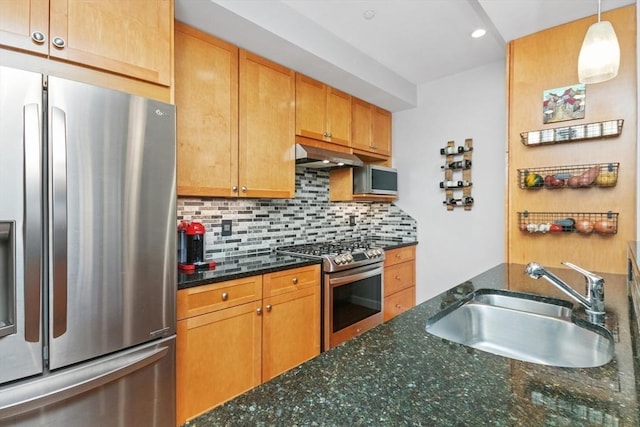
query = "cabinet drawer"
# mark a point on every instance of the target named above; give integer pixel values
(399, 302)
(395, 256)
(207, 298)
(398, 277)
(291, 280)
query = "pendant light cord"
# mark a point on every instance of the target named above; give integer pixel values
(599, 10)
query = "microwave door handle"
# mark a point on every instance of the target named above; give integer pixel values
(59, 219)
(33, 222)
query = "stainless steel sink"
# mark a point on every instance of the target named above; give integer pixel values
(524, 327)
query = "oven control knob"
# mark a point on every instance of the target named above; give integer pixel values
(349, 257)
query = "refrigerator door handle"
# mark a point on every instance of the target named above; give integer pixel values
(66, 385)
(33, 222)
(59, 219)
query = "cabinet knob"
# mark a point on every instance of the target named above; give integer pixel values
(259, 311)
(38, 37)
(58, 42)
(234, 188)
(398, 306)
(295, 280)
(268, 307)
(397, 277)
(244, 189)
(398, 256)
(224, 296)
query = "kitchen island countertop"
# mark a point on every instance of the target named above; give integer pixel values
(398, 374)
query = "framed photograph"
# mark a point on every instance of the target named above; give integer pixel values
(564, 103)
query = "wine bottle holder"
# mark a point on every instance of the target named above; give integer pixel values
(457, 171)
(581, 132)
(556, 177)
(604, 223)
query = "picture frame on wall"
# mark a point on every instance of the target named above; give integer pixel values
(564, 103)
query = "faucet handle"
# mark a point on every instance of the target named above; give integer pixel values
(591, 277)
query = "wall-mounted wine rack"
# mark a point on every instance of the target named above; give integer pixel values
(453, 168)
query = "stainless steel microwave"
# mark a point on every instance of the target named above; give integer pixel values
(374, 179)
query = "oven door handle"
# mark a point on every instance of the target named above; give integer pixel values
(355, 275)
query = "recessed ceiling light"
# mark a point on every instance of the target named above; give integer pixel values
(369, 14)
(478, 33)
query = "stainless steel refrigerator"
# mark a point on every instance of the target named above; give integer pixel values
(87, 255)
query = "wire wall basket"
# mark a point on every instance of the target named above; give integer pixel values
(604, 223)
(569, 176)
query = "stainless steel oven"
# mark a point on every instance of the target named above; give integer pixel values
(353, 301)
(352, 287)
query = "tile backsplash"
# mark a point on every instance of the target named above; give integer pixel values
(260, 225)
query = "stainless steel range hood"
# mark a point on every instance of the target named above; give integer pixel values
(314, 157)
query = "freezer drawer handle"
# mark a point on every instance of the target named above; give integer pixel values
(38, 394)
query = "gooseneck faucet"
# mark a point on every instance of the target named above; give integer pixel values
(593, 302)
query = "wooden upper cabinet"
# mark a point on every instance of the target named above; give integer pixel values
(267, 128)
(236, 120)
(371, 129)
(339, 116)
(132, 38)
(19, 19)
(381, 131)
(206, 93)
(322, 112)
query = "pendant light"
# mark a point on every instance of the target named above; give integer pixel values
(599, 58)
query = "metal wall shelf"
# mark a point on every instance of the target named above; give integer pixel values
(582, 132)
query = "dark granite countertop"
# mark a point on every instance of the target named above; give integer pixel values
(398, 375)
(243, 266)
(230, 268)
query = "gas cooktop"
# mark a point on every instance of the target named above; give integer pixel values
(337, 255)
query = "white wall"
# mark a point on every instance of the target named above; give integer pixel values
(454, 245)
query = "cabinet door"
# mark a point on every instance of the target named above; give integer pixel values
(291, 330)
(282, 282)
(132, 38)
(339, 117)
(381, 135)
(311, 108)
(398, 255)
(267, 129)
(361, 125)
(218, 358)
(19, 19)
(217, 296)
(206, 92)
(399, 303)
(399, 276)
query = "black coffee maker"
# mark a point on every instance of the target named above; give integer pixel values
(191, 243)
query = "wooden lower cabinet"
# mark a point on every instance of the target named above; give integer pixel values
(218, 357)
(290, 330)
(399, 281)
(226, 345)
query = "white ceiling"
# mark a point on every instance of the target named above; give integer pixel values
(383, 59)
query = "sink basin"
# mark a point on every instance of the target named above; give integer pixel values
(524, 327)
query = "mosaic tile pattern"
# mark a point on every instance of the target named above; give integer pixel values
(262, 224)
